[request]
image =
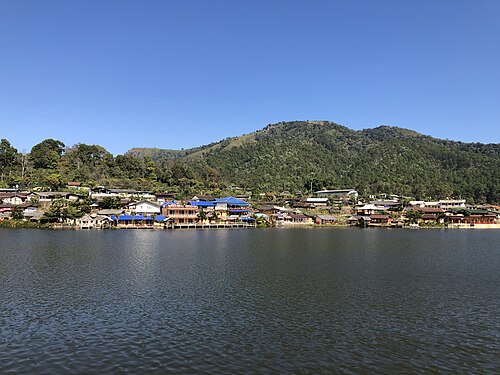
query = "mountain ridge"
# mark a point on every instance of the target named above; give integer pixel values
(296, 154)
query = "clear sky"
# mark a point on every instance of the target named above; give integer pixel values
(178, 74)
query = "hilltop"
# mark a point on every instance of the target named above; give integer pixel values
(291, 155)
(287, 156)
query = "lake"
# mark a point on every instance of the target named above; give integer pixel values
(249, 301)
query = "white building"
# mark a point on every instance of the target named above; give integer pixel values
(145, 208)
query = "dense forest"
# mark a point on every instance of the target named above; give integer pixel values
(291, 156)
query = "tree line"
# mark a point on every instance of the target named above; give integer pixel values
(294, 156)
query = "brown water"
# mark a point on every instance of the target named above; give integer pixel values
(250, 301)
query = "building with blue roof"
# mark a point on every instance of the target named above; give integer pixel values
(232, 202)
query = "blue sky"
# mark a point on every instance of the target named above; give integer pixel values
(178, 74)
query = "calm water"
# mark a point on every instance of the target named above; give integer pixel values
(250, 301)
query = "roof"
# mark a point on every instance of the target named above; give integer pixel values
(429, 216)
(370, 207)
(317, 200)
(385, 203)
(109, 212)
(232, 201)
(168, 203)
(426, 209)
(205, 198)
(13, 194)
(379, 216)
(326, 217)
(144, 202)
(358, 217)
(202, 204)
(246, 219)
(298, 216)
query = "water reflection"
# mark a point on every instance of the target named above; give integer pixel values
(230, 301)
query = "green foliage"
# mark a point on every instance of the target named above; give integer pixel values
(46, 154)
(62, 209)
(414, 216)
(291, 156)
(8, 158)
(17, 213)
(110, 203)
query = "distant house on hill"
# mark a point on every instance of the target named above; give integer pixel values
(145, 208)
(338, 193)
(13, 198)
(202, 198)
(317, 202)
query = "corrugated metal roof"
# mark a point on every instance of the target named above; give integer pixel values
(231, 201)
(202, 204)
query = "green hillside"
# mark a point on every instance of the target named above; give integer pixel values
(288, 156)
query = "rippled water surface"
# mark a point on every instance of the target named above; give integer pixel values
(249, 301)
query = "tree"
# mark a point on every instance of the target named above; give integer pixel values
(46, 155)
(8, 156)
(17, 213)
(110, 203)
(414, 216)
(202, 215)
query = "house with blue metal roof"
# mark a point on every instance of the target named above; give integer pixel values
(232, 202)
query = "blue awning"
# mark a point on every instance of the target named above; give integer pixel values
(124, 217)
(247, 219)
(113, 217)
(148, 218)
(160, 218)
(138, 217)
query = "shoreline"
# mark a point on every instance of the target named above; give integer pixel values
(26, 225)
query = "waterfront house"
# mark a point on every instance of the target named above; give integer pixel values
(94, 222)
(428, 214)
(300, 219)
(180, 213)
(206, 210)
(134, 221)
(325, 219)
(359, 220)
(380, 220)
(231, 208)
(473, 220)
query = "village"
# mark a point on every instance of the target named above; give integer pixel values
(78, 207)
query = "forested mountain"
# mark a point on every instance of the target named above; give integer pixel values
(288, 156)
